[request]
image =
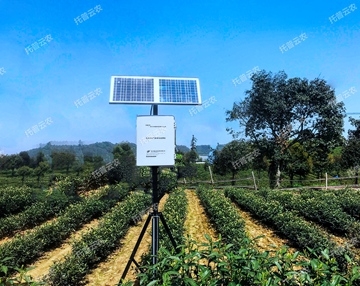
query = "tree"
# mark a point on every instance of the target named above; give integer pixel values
(98, 161)
(40, 170)
(78, 167)
(40, 157)
(191, 156)
(3, 161)
(189, 170)
(231, 158)
(125, 171)
(25, 157)
(14, 162)
(193, 143)
(88, 165)
(298, 162)
(286, 111)
(88, 158)
(335, 159)
(24, 171)
(62, 160)
(351, 152)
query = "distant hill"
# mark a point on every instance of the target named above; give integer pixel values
(203, 150)
(183, 148)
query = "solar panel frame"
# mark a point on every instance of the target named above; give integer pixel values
(155, 90)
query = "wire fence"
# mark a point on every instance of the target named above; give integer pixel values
(326, 182)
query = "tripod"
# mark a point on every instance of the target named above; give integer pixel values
(155, 215)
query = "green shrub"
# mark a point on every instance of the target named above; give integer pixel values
(13, 200)
(223, 216)
(217, 263)
(287, 222)
(48, 206)
(7, 276)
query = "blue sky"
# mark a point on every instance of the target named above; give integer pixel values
(54, 53)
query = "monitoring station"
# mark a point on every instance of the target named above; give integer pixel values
(155, 134)
(155, 141)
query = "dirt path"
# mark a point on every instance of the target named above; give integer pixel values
(5, 239)
(109, 272)
(341, 241)
(197, 223)
(254, 228)
(42, 265)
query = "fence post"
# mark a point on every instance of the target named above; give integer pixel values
(212, 180)
(252, 172)
(326, 181)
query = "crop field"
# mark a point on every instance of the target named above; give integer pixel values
(227, 237)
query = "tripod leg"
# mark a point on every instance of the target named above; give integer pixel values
(167, 229)
(155, 237)
(131, 259)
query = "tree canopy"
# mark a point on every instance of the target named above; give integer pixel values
(285, 111)
(351, 153)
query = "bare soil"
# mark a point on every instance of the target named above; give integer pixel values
(197, 223)
(267, 238)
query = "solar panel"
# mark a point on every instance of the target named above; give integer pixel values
(155, 90)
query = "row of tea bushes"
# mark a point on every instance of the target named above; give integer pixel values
(98, 243)
(23, 249)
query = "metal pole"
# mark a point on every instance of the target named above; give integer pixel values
(155, 218)
(155, 109)
(155, 198)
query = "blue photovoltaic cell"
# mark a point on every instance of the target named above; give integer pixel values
(178, 90)
(133, 89)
